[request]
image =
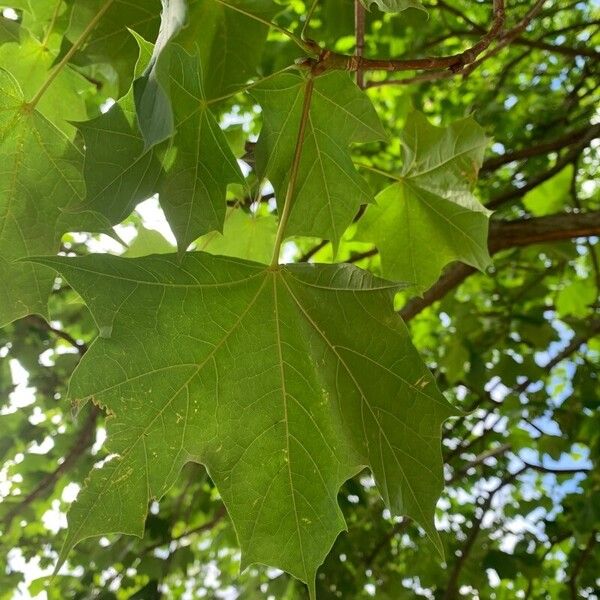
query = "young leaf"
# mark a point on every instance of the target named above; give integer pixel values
(254, 372)
(430, 217)
(40, 177)
(329, 190)
(151, 91)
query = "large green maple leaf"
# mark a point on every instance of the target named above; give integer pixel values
(329, 189)
(430, 216)
(41, 179)
(283, 381)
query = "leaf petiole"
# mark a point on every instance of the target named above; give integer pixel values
(67, 57)
(289, 194)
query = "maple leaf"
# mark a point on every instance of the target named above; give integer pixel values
(40, 178)
(255, 372)
(190, 171)
(430, 216)
(328, 189)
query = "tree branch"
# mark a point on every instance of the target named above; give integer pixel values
(491, 164)
(359, 30)
(552, 471)
(329, 60)
(82, 442)
(508, 234)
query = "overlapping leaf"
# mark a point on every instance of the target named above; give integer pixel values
(192, 169)
(430, 217)
(254, 372)
(151, 91)
(329, 189)
(190, 172)
(40, 176)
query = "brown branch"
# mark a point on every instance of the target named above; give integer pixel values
(508, 36)
(40, 323)
(554, 145)
(517, 192)
(507, 234)
(310, 253)
(359, 30)
(329, 60)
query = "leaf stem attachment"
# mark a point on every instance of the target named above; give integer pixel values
(67, 57)
(289, 194)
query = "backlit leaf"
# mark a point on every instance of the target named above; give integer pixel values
(430, 217)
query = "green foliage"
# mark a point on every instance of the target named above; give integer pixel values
(188, 408)
(430, 216)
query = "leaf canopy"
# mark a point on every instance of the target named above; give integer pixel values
(40, 181)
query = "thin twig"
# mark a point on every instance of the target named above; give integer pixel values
(359, 32)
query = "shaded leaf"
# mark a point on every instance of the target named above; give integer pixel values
(151, 91)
